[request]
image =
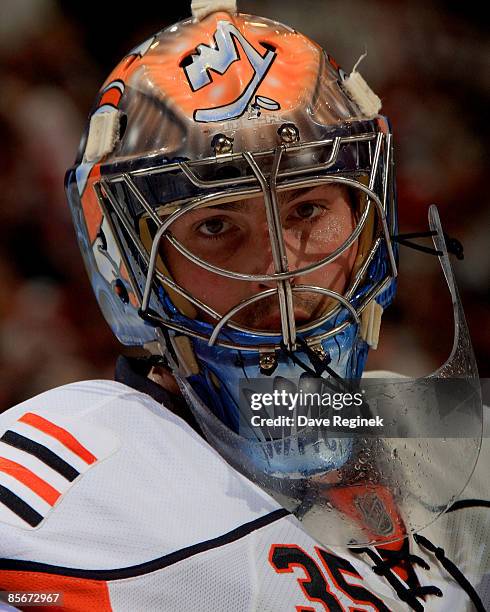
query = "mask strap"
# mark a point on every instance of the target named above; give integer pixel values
(453, 245)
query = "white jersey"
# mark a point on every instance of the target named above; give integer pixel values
(108, 497)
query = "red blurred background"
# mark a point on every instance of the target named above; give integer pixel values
(429, 62)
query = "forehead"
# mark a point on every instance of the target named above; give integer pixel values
(327, 192)
(318, 192)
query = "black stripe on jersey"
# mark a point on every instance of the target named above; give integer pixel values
(148, 566)
(41, 452)
(461, 504)
(19, 507)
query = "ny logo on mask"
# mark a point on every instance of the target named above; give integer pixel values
(197, 68)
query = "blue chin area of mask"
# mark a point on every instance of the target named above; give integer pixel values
(221, 369)
(297, 454)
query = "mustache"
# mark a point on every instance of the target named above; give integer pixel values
(311, 306)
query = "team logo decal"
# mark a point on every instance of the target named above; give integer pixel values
(219, 59)
(374, 514)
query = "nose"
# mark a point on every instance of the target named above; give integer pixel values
(263, 261)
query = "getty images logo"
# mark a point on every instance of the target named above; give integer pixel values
(197, 69)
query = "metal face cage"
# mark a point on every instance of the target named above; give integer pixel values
(361, 161)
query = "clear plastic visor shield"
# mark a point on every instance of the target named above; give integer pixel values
(392, 482)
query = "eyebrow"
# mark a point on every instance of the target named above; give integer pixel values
(241, 205)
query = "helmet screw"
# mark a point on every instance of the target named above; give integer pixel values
(222, 144)
(288, 133)
(319, 351)
(267, 363)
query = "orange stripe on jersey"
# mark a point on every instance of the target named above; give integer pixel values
(79, 594)
(59, 434)
(25, 476)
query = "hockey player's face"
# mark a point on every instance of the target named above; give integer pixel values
(235, 236)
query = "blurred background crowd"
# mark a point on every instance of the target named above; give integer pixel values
(429, 60)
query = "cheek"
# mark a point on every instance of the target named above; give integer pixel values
(336, 275)
(347, 260)
(214, 290)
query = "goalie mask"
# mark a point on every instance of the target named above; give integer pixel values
(234, 202)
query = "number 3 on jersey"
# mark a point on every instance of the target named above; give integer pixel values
(329, 586)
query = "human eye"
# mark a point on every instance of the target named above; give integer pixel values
(215, 227)
(307, 211)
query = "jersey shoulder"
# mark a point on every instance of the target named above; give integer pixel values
(101, 463)
(48, 443)
(74, 400)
